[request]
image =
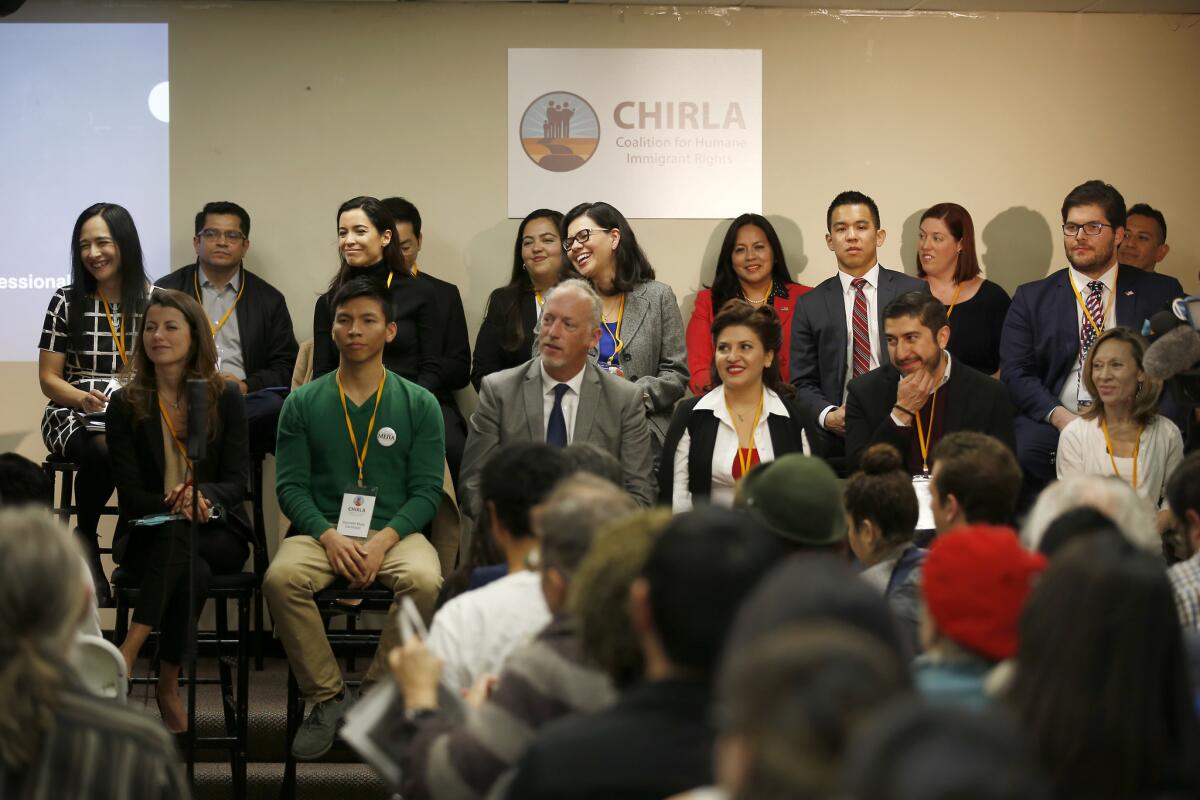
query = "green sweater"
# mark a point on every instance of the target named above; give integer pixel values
(315, 461)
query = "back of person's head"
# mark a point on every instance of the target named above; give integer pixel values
(916, 751)
(1183, 487)
(1102, 685)
(42, 599)
(599, 596)
(790, 704)
(1107, 494)
(798, 499)
(515, 479)
(592, 458)
(568, 518)
(702, 566)
(975, 582)
(23, 482)
(881, 492)
(1076, 523)
(981, 473)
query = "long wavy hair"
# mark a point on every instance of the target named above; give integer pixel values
(142, 382)
(383, 222)
(725, 285)
(133, 274)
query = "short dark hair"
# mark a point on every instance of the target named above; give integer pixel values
(23, 482)
(518, 477)
(224, 207)
(1076, 524)
(632, 266)
(1146, 210)
(882, 491)
(930, 311)
(364, 287)
(764, 321)
(706, 561)
(982, 474)
(404, 211)
(1097, 193)
(851, 197)
(593, 459)
(1183, 486)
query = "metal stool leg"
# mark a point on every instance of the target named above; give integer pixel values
(295, 714)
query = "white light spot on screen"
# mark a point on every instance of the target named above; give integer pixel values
(160, 102)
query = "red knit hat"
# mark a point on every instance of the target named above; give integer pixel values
(975, 581)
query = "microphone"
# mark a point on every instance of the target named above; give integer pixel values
(1161, 322)
(1173, 353)
(197, 421)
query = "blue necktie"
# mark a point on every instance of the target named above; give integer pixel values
(556, 431)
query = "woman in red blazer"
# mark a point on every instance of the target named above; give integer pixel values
(751, 266)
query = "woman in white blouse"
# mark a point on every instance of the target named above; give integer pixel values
(747, 419)
(1121, 433)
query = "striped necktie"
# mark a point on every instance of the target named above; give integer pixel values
(862, 333)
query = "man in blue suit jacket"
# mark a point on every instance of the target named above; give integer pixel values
(821, 360)
(1042, 348)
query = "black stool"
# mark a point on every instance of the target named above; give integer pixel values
(259, 562)
(55, 466)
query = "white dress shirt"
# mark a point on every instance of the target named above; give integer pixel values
(570, 400)
(871, 294)
(1073, 389)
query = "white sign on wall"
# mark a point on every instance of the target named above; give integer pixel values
(656, 133)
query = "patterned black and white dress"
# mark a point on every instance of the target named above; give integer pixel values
(92, 368)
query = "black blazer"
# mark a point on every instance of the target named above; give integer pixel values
(977, 402)
(455, 359)
(490, 353)
(702, 426)
(264, 326)
(135, 450)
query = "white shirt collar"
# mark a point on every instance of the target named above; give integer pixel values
(548, 383)
(714, 401)
(1109, 279)
(946, 374)
(871, 276)
(235, 281)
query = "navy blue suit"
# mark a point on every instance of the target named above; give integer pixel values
(1040, 346)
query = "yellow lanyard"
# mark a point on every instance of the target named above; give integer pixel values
(361, 458)
(616, 337)
(924, 442)
(174, 436)
(745, 454)
(118, 336)
(389, 280)
(1136, 449)
(1083, 305)
(537, 295)
(954, 300)
(200, 298)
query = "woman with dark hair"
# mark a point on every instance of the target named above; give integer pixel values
(369, 248)
(751, 266)
(147, 424)
(748, 419)
(1102, 686)
(641, 329)
(506, 335)
(975, 306)
(89, 335)
(881, 517)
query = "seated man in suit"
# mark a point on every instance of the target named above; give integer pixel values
(249, 317)
(836, 327)
(923, 393)
(561, 397)
(1053, 322)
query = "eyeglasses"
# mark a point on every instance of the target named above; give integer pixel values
(582, 236)
(211, 235)
(1090, 228)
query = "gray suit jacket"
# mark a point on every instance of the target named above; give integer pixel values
(610, 415)
(654, 356)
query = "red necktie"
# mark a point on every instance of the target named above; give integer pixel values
(862, 333)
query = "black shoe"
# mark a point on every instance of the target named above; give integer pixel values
(91, 546)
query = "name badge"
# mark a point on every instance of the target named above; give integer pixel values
(386, 437)
(358, 506)
(921, 486)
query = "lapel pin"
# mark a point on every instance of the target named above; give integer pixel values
(1129, 293)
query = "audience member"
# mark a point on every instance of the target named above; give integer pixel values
(1102, 688)
(248, 317)
(57, 739)
(89, 334)
(829, 348)
(881, 517)
(1054, 322)
(923, 393)
(340, 532)
(577, 401)
(798, 499)
(1075, 524)
(975, 480)
(508, 333)
(1145, 241)
(641, 336)
(748, 419)
(454, 358)
(1183, 496)
(147, 422)
(751, 266)
(975, 584)
(947, 261)
(656, 740)
(593, 459)
(1110, 496)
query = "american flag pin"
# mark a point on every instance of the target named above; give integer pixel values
(1129, 293)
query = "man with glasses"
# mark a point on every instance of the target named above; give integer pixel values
(248, 317)
(1053, 322)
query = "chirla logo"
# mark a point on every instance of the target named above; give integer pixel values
(358, 500)
(560, 131)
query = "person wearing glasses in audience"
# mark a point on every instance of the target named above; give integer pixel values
(148, 428)
(750, 266)
(975, 307)
(641, 330)
(248, 317)
(89, 335)
(747, 419)
(507, 333)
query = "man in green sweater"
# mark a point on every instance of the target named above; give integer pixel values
(359, 473)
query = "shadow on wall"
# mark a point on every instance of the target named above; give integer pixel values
(708, 268)
(793, 245)
(1018, 247)
(910, 240)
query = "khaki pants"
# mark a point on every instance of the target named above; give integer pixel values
(300, 569)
